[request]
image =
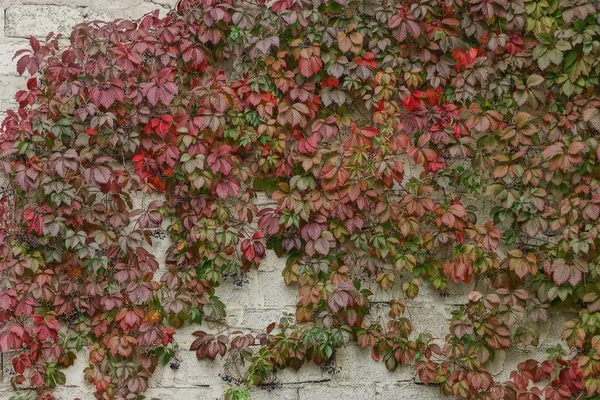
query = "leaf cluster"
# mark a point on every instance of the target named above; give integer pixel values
(378, 146)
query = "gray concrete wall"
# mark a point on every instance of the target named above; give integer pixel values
(265, 298)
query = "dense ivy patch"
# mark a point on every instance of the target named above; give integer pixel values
(492, 105)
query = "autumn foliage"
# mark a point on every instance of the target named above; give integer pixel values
(398, 144)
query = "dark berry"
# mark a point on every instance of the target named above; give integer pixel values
(159, 234)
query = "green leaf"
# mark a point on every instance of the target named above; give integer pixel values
(328, 351)
(534, 80)
(555, 56)
(538, 52)
(545, 38)
(267, 185)
(237, 393)
(562, 45)
(544, 61)
(520, 97)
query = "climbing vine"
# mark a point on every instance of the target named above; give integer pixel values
(397, 143)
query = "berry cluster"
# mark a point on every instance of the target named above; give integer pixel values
(147, 58)
(225, 377)
(178, 201)
(241, 281)
(270, 386)
(239, 278)
(114, 258)
(19, 157)
(159, 234)
(22, 237)
(73, 315)
(330, 367)
(445, 118)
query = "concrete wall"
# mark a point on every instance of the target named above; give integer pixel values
(265, 298)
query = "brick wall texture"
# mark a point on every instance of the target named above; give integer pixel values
(265, 298)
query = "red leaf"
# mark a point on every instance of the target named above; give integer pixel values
(21, 363)
(227, 188)
(12, 338)
(107, 98)
(459, 270)
(35, 221)
(34, 43)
